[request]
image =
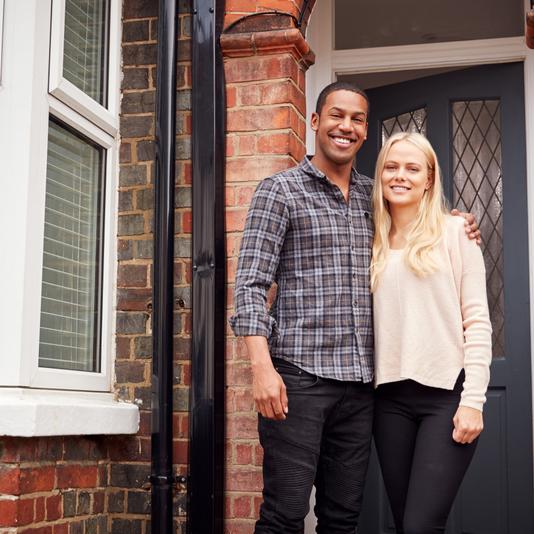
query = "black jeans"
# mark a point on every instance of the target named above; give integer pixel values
(325, 441)
(422, 465)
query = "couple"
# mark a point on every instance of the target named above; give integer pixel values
(341, 260)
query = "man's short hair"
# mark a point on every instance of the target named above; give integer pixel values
(339, 86)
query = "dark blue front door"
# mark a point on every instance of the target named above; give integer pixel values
(475, 120)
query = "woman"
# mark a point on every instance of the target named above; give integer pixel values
(432, 337)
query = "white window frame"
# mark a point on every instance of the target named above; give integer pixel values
(43, 401)
(330, 62)
(1, 35)
(66, 91)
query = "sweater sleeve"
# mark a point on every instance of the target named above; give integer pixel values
(475, 320)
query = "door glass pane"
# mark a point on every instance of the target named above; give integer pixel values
(413, 121)
(374, 23)
(70, 300)
(476, 131)
(85, 46)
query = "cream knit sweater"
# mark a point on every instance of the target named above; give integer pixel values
(428, 328)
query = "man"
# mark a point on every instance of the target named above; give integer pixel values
(309, 229)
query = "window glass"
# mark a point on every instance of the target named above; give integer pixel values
(372, 23)
(477, 173)
(85, 46)
(70, 301)
(412, 121)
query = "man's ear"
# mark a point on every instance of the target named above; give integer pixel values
(314, 123)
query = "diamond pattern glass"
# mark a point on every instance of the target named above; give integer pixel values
(412, 121)
(477, 176)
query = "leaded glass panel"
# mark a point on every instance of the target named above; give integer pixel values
(412, 121)
(477, 176)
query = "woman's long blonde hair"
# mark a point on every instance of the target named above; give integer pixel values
(427, 229)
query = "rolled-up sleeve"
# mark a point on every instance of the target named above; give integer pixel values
(263, 238)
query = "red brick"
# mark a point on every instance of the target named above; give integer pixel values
(53, 508)
(243, 454)
(243, 400)
(77, 476)
(132, 276)
(231, 97)
(187, 222)
(264, 118)
(260, 68)
(238, 374)
(37, 530)
(37, 479)
(235, 219)
(255, 169)
(9, 479)
(26, 509)
(242, 507)
(99, 498)
(258, 454)
(242, 426)
(180, 451)
(62, 528)
(247, 145)
(39, 509)
(8, 512)
(279, 92)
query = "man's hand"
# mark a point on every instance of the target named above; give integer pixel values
(268, 387)
(468, 424)
(471, 226)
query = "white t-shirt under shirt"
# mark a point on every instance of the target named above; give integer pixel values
(429, 328)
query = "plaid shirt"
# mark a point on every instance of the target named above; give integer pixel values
(302, 234)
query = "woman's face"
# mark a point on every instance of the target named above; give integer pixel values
(405, 175)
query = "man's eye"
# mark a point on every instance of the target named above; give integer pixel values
(359, 120)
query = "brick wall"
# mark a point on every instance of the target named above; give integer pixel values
(130, 459)
(266, 112)
(96, 485)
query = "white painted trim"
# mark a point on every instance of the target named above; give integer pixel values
(1, 35)
(67, 92)
(421, 56)
(77, 380)
(32, 412)
(320, 36)
(25, 106)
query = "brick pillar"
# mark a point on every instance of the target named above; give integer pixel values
(266, 111)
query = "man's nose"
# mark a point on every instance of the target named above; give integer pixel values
(346, 124)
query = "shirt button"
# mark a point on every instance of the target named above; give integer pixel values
(354, 275)
(355, 303)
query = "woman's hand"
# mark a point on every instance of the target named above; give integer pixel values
(468, 424)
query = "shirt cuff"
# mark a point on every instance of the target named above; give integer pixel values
(253, 324)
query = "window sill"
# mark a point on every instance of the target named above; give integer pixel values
(31, 412)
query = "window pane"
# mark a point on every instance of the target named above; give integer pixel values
(85, 46)
(412, 121)
(69, 333)
(372, 23)
(477, 174)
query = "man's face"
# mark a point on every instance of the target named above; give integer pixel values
(341, 127)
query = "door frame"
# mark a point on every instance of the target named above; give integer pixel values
(329, 63)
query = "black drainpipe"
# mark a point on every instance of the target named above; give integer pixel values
(162, 480)
(205, 512)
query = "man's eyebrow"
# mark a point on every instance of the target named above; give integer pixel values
(335, 108)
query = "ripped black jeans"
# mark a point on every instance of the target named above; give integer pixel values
(324, 441)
